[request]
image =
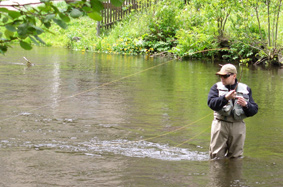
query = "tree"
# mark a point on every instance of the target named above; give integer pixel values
(218, 11)
(19, 22)
(269, 51)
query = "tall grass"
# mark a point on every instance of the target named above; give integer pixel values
(80, 35)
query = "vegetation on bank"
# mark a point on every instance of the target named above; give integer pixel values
(224, 29)
(20, 21)
(230, 30)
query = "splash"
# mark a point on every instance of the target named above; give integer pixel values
(144, 149)
(96, 147)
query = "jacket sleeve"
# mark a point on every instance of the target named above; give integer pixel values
(214, 101)
(252, 107)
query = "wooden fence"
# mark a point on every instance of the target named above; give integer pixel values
(111, 14)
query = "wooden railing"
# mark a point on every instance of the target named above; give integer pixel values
(111, 14)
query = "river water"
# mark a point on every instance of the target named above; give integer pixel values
(88, 119)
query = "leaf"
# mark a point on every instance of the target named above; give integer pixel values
(5, 19)
(55, 8)
(38, 29)
(3, 49)
(22, 30)
(61, 23)
(8, 34)
(47, 25)
(14, 14)
(48, 18)
(96, 5)
(11, 28)
(4, 10)
(25, 45)
(117, 2)
(64, 17)
(75, 13)
(40, 40)
(31, 19)
(87, 9)
(33, 40)
(95, 16)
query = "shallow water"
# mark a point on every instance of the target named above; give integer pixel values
(86, 119)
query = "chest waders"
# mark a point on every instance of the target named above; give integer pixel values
(232, 111)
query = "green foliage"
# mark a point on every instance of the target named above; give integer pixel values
(127, 42)
(145, 32)
(193, 41)
(30, 22)
(240, 51)
(195, 35)
(80, 35)
(163, 26)
(130, 46)
(198, 29)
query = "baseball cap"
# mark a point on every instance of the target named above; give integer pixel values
(226, 69)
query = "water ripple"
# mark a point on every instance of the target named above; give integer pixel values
(145, 149)
(140, 149)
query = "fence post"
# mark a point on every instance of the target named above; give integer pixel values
(98, 28)
(110, 15)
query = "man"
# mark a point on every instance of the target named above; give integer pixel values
(231, 102)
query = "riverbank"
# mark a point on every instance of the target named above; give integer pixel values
(179, 30)
(139, 33)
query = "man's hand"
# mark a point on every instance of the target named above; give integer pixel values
(241, 101)
(231, 95)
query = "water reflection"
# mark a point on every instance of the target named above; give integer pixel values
(55, 86)
(226, 172)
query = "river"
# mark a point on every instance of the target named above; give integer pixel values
(89, 119)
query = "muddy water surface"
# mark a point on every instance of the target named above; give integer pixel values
(86, 119)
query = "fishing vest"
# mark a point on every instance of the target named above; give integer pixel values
(232, 111)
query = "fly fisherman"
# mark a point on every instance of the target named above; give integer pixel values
(228, 130)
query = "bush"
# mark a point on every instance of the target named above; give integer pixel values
(196, 34)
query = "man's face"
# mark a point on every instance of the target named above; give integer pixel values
(228, 79)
